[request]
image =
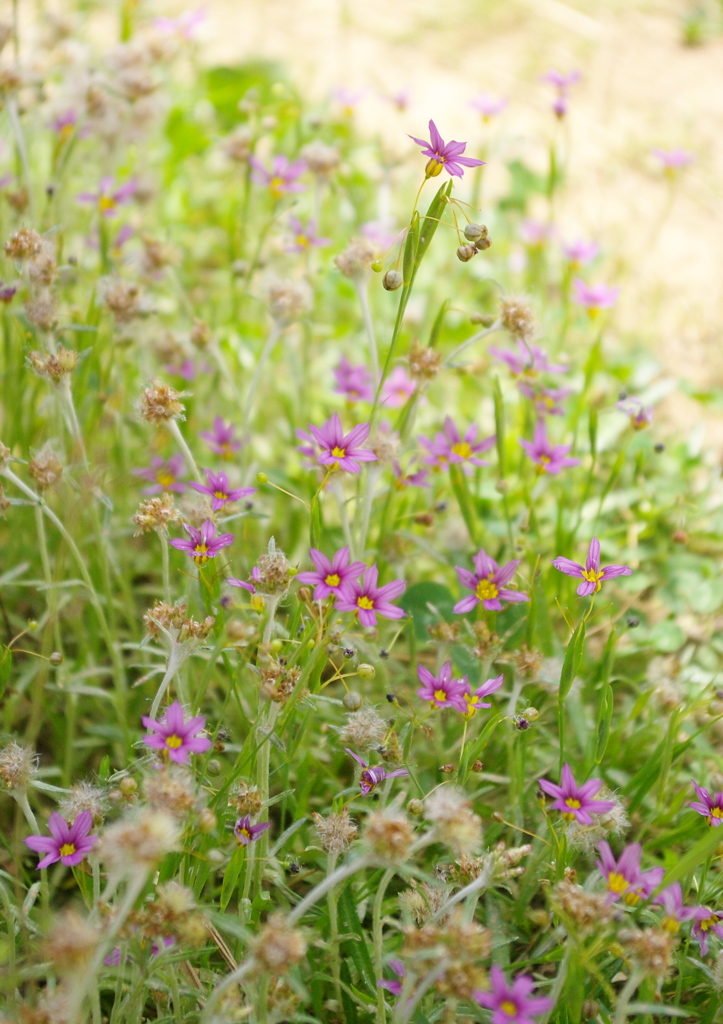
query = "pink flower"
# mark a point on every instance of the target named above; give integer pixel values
(66, 843)
(406, 479)
(164, 473)
(623, 877)
(175, 737)
(219, 490)
(641, 416)
(488, 106)
(487, 584)
(397, 389)
(594, 296)
(528, 362)
(395, 987)
(591, 573)
(368, 600)
(561, 84)
(673, 159)
(576, 801)
(535, 232)
(330, 577)
(512, 1004)
(579, 253)
(204, 543)
(546, 400)
(107, 198)
(445, 155)
(282, 176)
(371, 777)
(443, 691)
(304, 236)
(474, 700)
(339, 450)
(706, 922)
(550, 458)
(354, 382)
(449, 446)
(247, 833)
(221, 439)
(676, 913)
(710, 805)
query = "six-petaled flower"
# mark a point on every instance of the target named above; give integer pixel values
(444, 155)
(219, 490)
(512, 1003)
(247, 833)
(594, 297)
(370, 778)
(527, 362)
(710, 805)
(474, 699)
(576, 801)
(354, 382)
(487, 584)
(304, 236)
(624, 878)
(203, 543)
(368, 600)
(641, 416)
(443, 691)
(281, 178)
(174, 736)
(590, 573)
(66, 843)
(707, 921)
(221, 439)
(338, 450)
(108, 198)
(164, 475)
(676, 913)
(329, 578)
(450, 447)
(549, 458)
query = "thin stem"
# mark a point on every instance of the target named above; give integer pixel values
(274, 335)
(362, 292)
(176, 659)
(628, 991)
(181, 441)
(370, 486)
(331, 902)
(378, 937)
(319, 891)
(165, 566)
(12, 109)
(336, 487)
(496, 326)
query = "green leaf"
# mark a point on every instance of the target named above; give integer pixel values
(692, 859)
(667, 636)
(438, 323)
(573, 657)
(592, 431)
(358, 951)
(465, 500)
(661, 1010)
(416, 601)
(431, 221)
(410, 251)
(104, 770)
(225, 86)
(499, 425)
(185, 136)
(231, 876)
(605, 717)
(6, 663)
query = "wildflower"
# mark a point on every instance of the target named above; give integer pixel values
(187, 369)
(579, 252)
(247, 833)
(710, 805)
(512, 1004)
(339, 450)
(397, 389)
(221, 439)
(370, 778)
(473, 699)
(176, 737)
(395, 987)
(219, 490)
(348, 99)
(623, 877)
(711, 922)
(336, 832)
(330, 577)
(282, 177)
(354, 382)
(528, 362)
(449, 446)
(576, 801)
(160, 403)
(356, 260)
(673, 160)
(304, 236)
(66, 843)
(594, 296)
(488, 106)
(107, 198)
(640, 416)
(369, 600)
(400, 99)
(365, 729)
(7, 291)
(535, 232)
(676, 913)
(546, 400)
(561, 83)
(591, 573)
(164, 475)
(204, 543)
(184, 26)
(488, 584)
(550, 458)
(444, 155)
(443, 691)
(406, 479)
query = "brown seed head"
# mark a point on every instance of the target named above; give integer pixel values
(56, 365)
(246, 799)
(17, 766)
(457, 824)
(356, 260)
(388, 834)
(336, 832)
(71, 942)
(583, 912)
(171, 789)
(364, 729)
(321, 159)
(84, 796)
(424, 363)
(23, 245)
(160, 403)
(200, 334)
(273, 576)
(42, 312)
(278, 946)
(138, 842)
(155, 514)
(517, 317)
(289, 300)
(45, 468)
(651, 949)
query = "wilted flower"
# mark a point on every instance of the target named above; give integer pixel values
(576, 801)
(591, 573)
(444, 155)
(488, 584)
(176, 737)
(66, 843)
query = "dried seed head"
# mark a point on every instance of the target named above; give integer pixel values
(457, 824)
(517, 317)
(156, 513)
(356, 260)
(388, 834)
(412, 903)
(289, 300)
(424, 363)
(364, 729)
(582, 912)
(71, 942)
(386, 445)
(170, 621)
(200, 334)
(272, 574)
(84, 796)
(321, 159)
(160, 403)
(139, 842)
(171, 789)
(651, 949)
(246, 799)
(4, 502)
(587, 837)
(45, 468)
(238, 146)
(336, 832)
(17, 766)
(5, 455)
(42, 312)
(278, 946)
(43, 267)
(56, 365)
(157, 254)
(23, 245)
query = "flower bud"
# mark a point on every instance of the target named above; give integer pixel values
(215, 857)
(482, 243)
(378, 266)
(392, 280)
(365, 671)
(466, 252)
(531, 714)
(415, 807)
(56, 658)
(261, 478)
(474, 231)
(128, 786)
(352, 701)
(213, 767)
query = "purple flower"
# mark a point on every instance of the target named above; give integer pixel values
(348, 99)
(382, 234)
(406, 479)
(220, 491)
(184, 25)
(64, 124)
(66, 843)
(535, 232)
(512, 1004)
(7, 291)
(204, 543)
(546, 400)
(641, 416)
(164, 474)
(550, 458)
(710, 805)
(247, 833)
(221, 439)
(623, 877)
(371, 777)
(354, 382)
(487, 584)
(673, 159)
(330, 577)
(708, 921)
(233, 582)
(576, 801)
(395, 987)
(579, 253)
(594, 296)
(474, 699)
(175, 737)
(488, 106)
(340, 450)
(282, 176)
(187, 369)
(443, 691)
(561, 84)
(397, 389)
(676, 913)
(107, 198)
(529, 362)
(369, 600)
(591, 573)
(401, 100)
(445, 155)
(304, 236)
(449, 446)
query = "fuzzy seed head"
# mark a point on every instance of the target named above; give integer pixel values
(122, 298)
(42, 312)
(5, 455)
(356, 260)
(386, 445)
(289, 301)
(651, 949)
(156, 513)
(164, 621)
(71, 942)
(139, 842)
(84, 796)
(457, 824)
(17, 766)
(363, 730)
(246, 799)
(336, 832)
(278, 946)
(424, 363)
(160, 403)
(171, 789)
(517, 317)
(46, 469)
(583, 912)
(238, 146)
(273, 572)
(389, 834)
(56, 365)
(321, 159)
(23, 245)
(200, 335)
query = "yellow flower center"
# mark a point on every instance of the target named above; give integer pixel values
(174, 742)
(332, 580)
(617, 882)
(276, 187)
(106, 203)
(337, 452)
(440, 695)
(508, 1008)
(572, 802)
(716, 812)
(67, 849)
(244, 832)
(486, 590)
(302, 240)
(671, 924)
(364, 602)
(631, 898)
(65, 132)
(226, 450)
(593, 577)
(220, 495)
(462, 449)
(200, 558)
(707, 923)
(165, 479)
(471, 709)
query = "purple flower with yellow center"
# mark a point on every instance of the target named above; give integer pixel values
(247, 833)
(221, 439)
(397, 389)
(594, 297)
(371, 777)
(487, 584)
(579, 252)
(546, 400)
(339, 450)
(512, 1003)
(369, 600)
(330, 577)
(204, 543)
(395, 987)
(176, 737)
(164, 475)
(354, 382)
(219, 490)
(710, 805)
(488, 106)
(673, 159)
(590, 573)
(561, 83)
(623, 877)
(676, 913)
(527, 362)
(706, 922)
(449, 446)
(444, 155)
(304, 236)
(550, 458)
(406, 479)
(443, 691)
(66, 843)
(576, 801)
(474, 699)
(641, 416)
(108, 198)
(282, 176)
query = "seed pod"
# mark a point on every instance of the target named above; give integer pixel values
(474, 231)
(352, 701)
(466, 252)
(365, 671)
(392, 280)
(483, 243)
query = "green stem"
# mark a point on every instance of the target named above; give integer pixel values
(362, 292)
(378, 936)
(181, 441)
(331, 902)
